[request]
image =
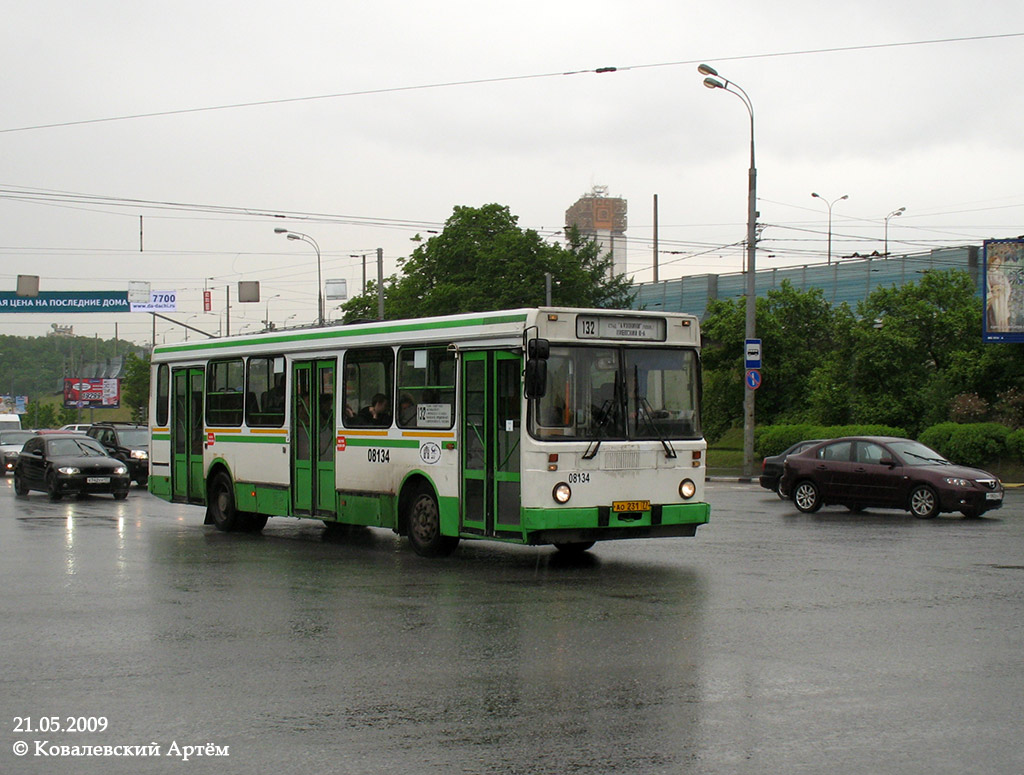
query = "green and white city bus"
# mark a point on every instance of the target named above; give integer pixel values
(533, 426)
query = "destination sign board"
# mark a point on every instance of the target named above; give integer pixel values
(621, 328)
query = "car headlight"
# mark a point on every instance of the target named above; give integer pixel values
(957, 482)
(120, 470)
(561, 493)
(140, 454)
(67, 470)
(687, 489)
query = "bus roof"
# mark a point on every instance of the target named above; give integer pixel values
(500, 328)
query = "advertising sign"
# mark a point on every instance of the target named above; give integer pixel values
(65, 302)
(1004, 291)
(159, 301)
(13, 404)
(92, 392)
(48, 302)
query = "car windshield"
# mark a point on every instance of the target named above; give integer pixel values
(134, 437)
(83, 447)
(15, 437)
(914, 453)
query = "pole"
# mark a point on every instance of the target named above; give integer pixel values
(227, 310)
(380, 283)
(547, 288)
(751, 326)
(655, 238)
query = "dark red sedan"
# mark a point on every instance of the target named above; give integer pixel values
(885, 472)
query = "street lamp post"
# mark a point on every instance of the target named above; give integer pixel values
(266, 321)
(893, 214)
(713, 81)
(297, 235)
(823, 199)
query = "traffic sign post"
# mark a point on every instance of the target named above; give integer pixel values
(753, 379)
(752, 354)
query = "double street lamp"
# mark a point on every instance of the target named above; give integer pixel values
(297, 235)
(893, 214)
(823, 199)
(714, 81)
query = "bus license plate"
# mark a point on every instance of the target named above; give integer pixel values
(621, 506)
(97, 480)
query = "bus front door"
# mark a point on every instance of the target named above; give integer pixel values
(187, 437)
(491, 425)
(313, 438)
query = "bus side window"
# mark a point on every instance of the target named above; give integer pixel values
(163, 394)
(426, 387)
(369, 387)
(265, 396)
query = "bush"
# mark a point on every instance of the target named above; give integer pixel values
(773, 439)
(937, 437)
(1015, 445)
(971, 444)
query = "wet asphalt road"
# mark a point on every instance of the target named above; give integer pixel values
(772, 642)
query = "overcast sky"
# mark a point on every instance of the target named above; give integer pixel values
(467, 103)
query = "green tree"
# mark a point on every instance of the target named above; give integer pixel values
(135, 385)
(483, 260)
(798, 331)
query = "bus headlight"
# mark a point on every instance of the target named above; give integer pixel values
(561, 493)
(687, 489)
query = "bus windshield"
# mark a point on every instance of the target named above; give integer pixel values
(621, 393)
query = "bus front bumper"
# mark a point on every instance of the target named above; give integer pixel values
(549, 526)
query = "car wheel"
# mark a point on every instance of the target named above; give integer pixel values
(52, 488)
(806, 497)
(120, 495)
(142, 481)
(778, 488)
(924, 503)
(221, 504)
(424, 518)
(20, 487)
(971, 513)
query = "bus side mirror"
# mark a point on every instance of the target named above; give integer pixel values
(535, 379)
(538, 348)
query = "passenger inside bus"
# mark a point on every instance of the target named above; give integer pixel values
(406, 411)
(377, 411)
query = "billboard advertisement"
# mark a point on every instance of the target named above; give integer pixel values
(1004, 291)
(92, 392)
(13, 404)
(86, 301)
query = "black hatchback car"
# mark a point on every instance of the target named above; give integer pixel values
(128, 442)
(69, 463)
(886, 472)
(771, 466)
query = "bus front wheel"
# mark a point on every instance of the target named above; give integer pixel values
(425, 527)
(221, 504)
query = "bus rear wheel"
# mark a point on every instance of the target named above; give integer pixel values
(424, 519)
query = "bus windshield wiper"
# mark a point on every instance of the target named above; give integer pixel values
(604, 414)
(644, 410)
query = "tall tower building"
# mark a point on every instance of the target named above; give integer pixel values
(602, 218)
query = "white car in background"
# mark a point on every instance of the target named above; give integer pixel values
(11, 443)
(81, 427)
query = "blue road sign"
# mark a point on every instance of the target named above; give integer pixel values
(752, 354)
(753, 379)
